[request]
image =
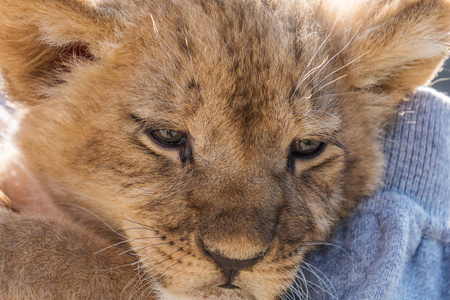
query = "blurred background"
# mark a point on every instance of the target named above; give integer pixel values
(442, 82)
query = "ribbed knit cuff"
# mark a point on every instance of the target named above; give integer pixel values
(417, 152)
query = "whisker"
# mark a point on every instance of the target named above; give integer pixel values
(161, 262)
(87, 210)
(140, 224)
(296, 288)
(118, 267)
(143, 280)
(118, 243)
(337, 70)
(346, 251)
(315, 287)
(180, 270)
(309, 73)
(325, 280)
(327, 84)
(303, 78)
(143, 247)
(173, 264)
(331, 95)
(128, 241)
(331, 59)
(136, 228)
(151, 245)
(305, 283)
(325, 113)
(439, 80)
(137, 279)
(287, 297)
(148, 288)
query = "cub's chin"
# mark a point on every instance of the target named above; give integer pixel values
(184, 277)
(213, 291)
(210, 294)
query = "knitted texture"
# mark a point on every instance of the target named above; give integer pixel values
(418, 154)
(396, 245)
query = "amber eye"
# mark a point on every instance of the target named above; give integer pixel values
(307, 148)
(169, 137)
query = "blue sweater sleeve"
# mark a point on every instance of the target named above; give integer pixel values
(396, 245)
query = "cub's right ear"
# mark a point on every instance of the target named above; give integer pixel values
(41, 40)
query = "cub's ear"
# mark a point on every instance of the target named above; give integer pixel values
(42, 40)
(391, 47)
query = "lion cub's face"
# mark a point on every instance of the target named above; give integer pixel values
(223, 139)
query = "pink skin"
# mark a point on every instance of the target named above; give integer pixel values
(20, 191)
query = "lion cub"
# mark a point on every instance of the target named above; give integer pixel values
(196, 149)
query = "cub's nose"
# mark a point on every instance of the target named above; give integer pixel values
(232, 267)
(233, 264)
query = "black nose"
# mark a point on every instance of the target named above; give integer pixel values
(233, 264)
(232, 267)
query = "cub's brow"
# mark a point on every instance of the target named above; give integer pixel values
(330, 137)
(153, 123)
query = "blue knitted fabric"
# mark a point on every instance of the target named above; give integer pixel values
(397, 243)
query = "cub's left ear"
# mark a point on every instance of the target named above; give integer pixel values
(41, 40)
(397, 45)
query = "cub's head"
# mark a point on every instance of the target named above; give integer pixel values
(223, 139)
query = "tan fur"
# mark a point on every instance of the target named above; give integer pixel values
(244, 79)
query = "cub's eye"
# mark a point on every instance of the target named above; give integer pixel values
(169, 137)
(307, 148)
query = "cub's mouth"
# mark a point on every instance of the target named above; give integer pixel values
(237, 262)
(230, 267)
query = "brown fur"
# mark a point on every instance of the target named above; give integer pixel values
(244, 79)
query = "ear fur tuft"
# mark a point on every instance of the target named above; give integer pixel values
(402, 43)
(40, 40)
(75, 51)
